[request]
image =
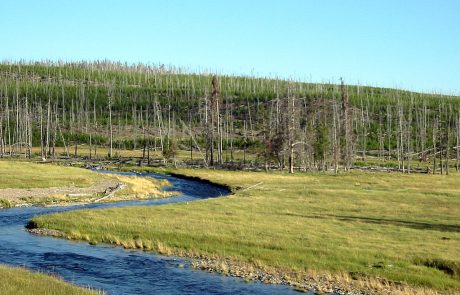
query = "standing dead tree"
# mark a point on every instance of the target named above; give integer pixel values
(447, 136)
(109, 96)
(335, 136)
(346, 128)
(2, 142)
(435, 139)
(457, 136)
(212, 122)
(401, 137)
(292, 120)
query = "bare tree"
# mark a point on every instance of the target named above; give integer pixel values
(346, 128)
(447, 130)
(401, 153)
(335, 136)
(457, 147)
(109, 95)
(435, 139)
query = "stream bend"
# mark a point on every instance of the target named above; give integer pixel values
(113, 269)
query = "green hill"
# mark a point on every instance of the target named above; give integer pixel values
(48, 105)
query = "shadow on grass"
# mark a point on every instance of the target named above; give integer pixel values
(383, 221)
(449, 267)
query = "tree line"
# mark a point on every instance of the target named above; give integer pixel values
(273, 123)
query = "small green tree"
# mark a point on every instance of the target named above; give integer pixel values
(169, 148)
(321, 144)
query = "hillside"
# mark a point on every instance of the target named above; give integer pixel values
(53, 109)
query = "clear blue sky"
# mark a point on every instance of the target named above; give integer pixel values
(393, 43)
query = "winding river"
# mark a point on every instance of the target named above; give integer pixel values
(113, 269)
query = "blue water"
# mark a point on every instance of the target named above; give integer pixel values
(115, 270)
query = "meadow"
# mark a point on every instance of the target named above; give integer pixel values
(21, 174)
(26, 183)
(400, 230)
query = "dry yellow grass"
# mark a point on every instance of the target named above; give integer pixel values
(137, 187)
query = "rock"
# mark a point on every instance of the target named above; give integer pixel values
(46, 232)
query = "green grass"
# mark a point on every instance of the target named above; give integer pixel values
(381, 224)
(20, 281)
(18, 174)
(5, 203)
(24, 176)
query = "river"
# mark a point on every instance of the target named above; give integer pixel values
(113, 269)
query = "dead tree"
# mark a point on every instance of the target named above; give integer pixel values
(48, 122)
(213, 123)
(291, 130)
(335, 136)
(55, 122)
(148, 134)
(389, 130)
(447, 130)
(42, 145)
(346, 128)
(409, 136)
(109, 95)
(363, 132)
(435, 138)
(457, 135)
(2, 143)
(401, 153)
(94, 125)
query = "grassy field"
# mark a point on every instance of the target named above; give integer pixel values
(20, 281)
(15, 174)
(41, 184)
(404, 228)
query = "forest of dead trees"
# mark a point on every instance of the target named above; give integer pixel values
(272, 123)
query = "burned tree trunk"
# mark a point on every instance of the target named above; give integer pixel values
(401, 152)
(291, 133)
(2, 142)
(335, 137)
(457, 148)
(448, 119)
(110, 123)
(435, 137)
(213, 123)
(346, 132)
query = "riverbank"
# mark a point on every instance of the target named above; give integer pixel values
(20, 281)
(32, 184)
(368, 232)
(319, 281)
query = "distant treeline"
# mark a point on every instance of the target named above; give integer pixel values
(287, 124)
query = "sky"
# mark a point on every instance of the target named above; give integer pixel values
(409, 44)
